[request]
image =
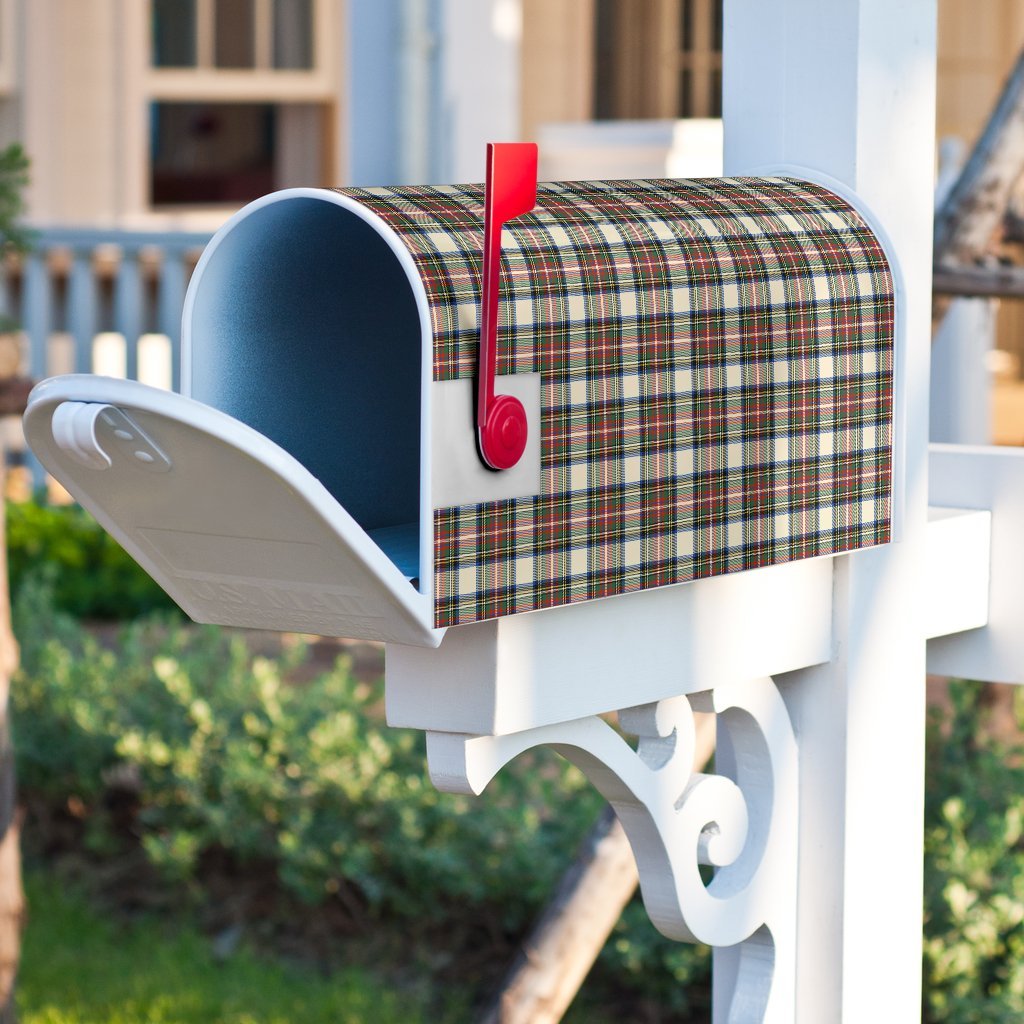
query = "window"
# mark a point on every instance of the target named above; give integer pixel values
(174, 33)
(658, 58)
(293, 34)
(233, 34)
(212, 152)
(241, 97)
(700, 59)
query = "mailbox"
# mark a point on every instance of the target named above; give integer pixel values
(705, 368)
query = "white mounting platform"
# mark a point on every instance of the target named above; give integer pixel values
(524, 671)
(993, 479)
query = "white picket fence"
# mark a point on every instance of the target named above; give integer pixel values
(102, 301)
(99, 301)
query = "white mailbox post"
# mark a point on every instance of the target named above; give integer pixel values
(711, 493)
(850, 88)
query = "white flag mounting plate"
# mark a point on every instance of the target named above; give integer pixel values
(234, 528)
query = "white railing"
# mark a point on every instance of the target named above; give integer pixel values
(102, 301)
(98, 301)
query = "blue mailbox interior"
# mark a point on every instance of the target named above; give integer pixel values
(305, 327)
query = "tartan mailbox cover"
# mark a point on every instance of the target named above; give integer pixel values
(707, 369)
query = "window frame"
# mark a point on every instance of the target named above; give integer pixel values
(262, 83)
(144, 85)
(649, 60)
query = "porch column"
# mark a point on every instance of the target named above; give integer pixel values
(848, 89)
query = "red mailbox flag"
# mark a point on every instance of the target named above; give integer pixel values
(511, 191)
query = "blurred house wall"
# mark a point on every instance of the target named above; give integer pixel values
(398, 89)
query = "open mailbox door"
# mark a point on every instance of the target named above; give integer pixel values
(236, 530)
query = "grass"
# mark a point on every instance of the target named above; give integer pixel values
(79, 968)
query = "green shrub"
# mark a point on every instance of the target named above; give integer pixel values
(974, 869)
(91, 575)
(226, 755)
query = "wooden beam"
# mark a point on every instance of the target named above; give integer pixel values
(974, 209)
(1001, 281)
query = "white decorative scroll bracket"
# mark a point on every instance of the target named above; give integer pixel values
(742, 821)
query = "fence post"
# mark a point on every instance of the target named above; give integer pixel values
(82, 308)
(170, 300)
(128, 308)
(960, 409)
(36, 313)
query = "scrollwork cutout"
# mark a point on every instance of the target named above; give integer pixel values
(741, 820)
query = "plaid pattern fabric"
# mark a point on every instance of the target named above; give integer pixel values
(716, 360)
